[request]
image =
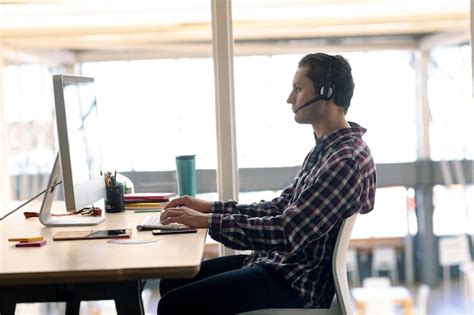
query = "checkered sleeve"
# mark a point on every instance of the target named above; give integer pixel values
(332, 196)
(258, 209)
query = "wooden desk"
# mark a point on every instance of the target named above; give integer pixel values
(366, 245)
(91, 265)
(399, 295)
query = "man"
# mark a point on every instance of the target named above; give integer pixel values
(292, 236)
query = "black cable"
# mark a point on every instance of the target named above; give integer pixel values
(30, 200)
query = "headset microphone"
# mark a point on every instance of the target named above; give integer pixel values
(310, 102)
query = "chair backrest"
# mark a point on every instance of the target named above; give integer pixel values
(380, 305)
(454, 251)
(384, 258)
(376, 282)
(339, 269)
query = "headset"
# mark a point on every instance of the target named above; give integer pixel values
(326, 91)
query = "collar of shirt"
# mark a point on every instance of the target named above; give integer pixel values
(328, 139)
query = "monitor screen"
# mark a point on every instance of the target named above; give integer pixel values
(79, 130)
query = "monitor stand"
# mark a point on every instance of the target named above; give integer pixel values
(45, 217)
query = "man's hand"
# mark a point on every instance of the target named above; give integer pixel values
(186, 216)
(190, 202)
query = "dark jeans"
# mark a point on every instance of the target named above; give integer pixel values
(224, 287)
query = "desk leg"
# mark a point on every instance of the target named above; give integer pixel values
(360, 307)
(128, 299)
(7, 308)
(407, 307)
(73, 307)
(127, 295)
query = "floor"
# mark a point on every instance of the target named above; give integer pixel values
(439, 304)
(452, 303)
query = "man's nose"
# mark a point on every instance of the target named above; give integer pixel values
(289, 99)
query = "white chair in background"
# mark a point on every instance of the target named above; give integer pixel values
(353, 266)
(380, 305)
(376, 282)
(342, 304)
(421, 304)
(385, 259)
(377, 302)
(378, 297)
(453, 251)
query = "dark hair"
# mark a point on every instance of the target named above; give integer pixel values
(340, 76)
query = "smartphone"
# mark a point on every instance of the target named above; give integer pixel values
(108, 233)
(177, 231)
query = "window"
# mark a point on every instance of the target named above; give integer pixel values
(156, 110)
(451, 105)
(29, 119)
(267, 135)
(389, 218)
(453, 210)
(384, 103)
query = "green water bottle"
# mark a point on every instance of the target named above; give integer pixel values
(186, 175)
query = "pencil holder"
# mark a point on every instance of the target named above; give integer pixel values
(114, 201)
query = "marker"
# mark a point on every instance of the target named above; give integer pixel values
(31, 244)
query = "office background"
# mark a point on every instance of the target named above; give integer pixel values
(154, 70)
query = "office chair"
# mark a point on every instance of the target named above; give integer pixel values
(384, 258)
(380, 305)
(376, 282)
(342, 304)
(453, 251)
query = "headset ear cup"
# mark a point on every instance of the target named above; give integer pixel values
(330, 91)
(322, 91)
(326, 91)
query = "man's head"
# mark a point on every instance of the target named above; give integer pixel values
(330, 71)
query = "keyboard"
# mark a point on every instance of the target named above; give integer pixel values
(152, 222)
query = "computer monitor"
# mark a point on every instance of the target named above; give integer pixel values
(78, 165)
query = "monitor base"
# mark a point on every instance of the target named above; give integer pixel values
(75, 220)
(48, 219)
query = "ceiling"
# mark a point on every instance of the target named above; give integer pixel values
(109, 29)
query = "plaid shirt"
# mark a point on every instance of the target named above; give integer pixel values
(295, 233)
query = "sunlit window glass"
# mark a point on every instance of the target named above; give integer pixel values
(451, 105)
(155, 110)
(28, 121)
(384, 103)
(389, 217)
(453, 210)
